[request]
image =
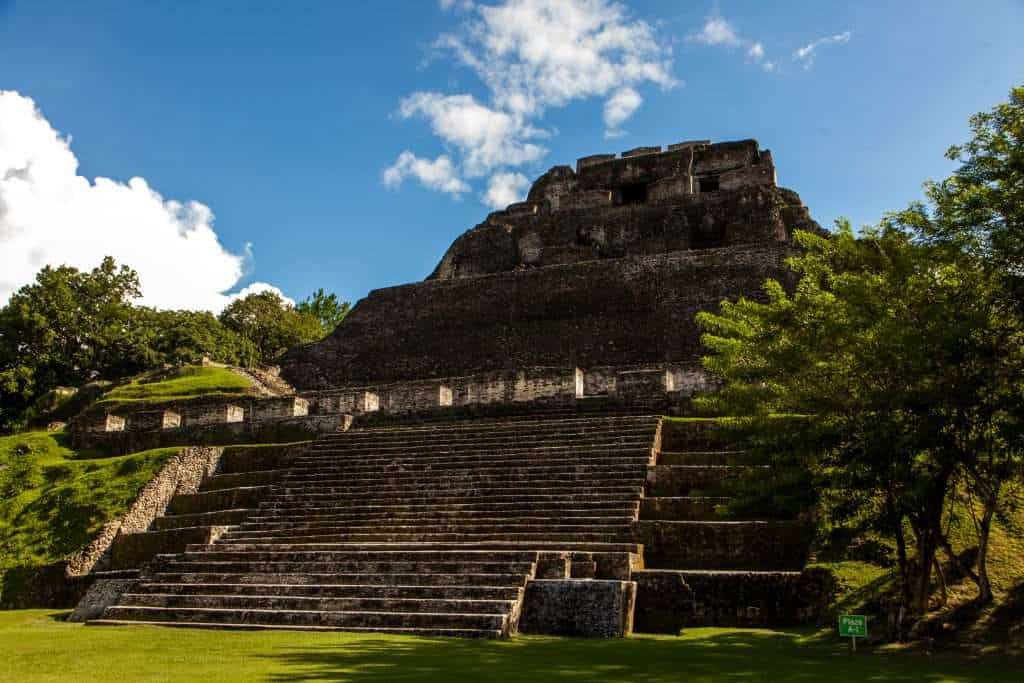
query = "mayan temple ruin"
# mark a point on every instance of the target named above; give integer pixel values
(490, 452)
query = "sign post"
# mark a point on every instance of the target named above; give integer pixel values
(853, 626)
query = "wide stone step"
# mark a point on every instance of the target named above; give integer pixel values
(281, 523)
(604, 547)
(219, 482)
(400, 484)
(734, 545)
(688, 480)
(287, 564)
(281, 602)
(458, 526)
(627, 441)
(423, 451)
(302, 554)
(483, 471)
(446, 620)
(617, 496)
(722, 457)
(215, 518)
(361, 591)
(424, 537)
(678, 507)
(209, 501)
(558, 505)
(308, 578)
(415, 462)
(421, 632)
(494, 491)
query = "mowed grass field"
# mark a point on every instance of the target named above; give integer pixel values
(36, 646)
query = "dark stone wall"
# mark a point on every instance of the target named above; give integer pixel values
(616, 312)
(667, 601)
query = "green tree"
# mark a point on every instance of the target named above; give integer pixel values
(66, 328)
(269, 324)
(326, 308)
(901, 349)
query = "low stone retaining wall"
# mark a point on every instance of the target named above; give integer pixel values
(585, 608)
(669, 600)
(272, 430)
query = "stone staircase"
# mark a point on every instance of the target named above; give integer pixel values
(429, 529)
(740, 569)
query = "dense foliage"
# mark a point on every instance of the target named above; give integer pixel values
(902, 351)
(71, 327)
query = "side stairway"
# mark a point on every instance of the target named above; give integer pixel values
(738, 570)
(428, 529)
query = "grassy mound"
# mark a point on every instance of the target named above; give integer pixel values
(191, 381)
(54, 500)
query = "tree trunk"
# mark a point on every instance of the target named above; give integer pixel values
(903, 563)
(984, 531)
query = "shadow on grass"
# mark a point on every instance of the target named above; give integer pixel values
(734, 656)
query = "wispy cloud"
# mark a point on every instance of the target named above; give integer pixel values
(439, 174)
(717, 31)
(532, 56)
(807, 54)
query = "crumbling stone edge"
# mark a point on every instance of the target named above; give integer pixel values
(182, 474)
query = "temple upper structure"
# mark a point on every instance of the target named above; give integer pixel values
(603, 267)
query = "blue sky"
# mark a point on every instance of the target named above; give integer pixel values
(283, 118)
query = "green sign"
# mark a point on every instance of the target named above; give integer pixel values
(853, 626)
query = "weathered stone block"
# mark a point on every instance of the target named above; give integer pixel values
(101, 594)
(553, 565)
(582, 608)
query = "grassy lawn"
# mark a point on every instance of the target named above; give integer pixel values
(187, 382)
(54, 500)
(37, 647)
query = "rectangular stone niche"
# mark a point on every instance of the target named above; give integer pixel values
(641, 384)
(444, 396)
(153, 420)
(584, 608)
(287, 406)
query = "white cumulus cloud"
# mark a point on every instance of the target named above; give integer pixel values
(439, 174)
(504, 189)
(806, 54)
(486, 137)
(50, 215)
(619, 108)
(531, 56)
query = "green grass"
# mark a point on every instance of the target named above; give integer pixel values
(190, 381)
(54, 500)
(36, 647)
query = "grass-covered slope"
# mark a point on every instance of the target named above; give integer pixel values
(54, 500)
(190, 381)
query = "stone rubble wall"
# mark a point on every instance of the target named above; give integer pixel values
(183, 473)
